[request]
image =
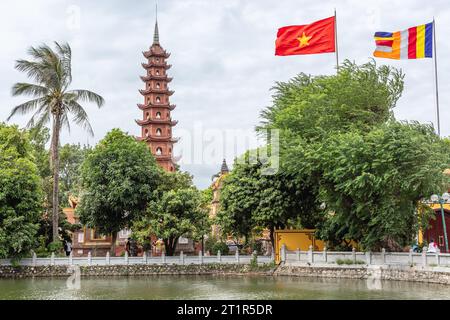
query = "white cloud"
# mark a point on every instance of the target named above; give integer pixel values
(222, 55)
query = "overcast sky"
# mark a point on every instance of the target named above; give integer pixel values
(222, 56)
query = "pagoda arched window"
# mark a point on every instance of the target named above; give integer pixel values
(158, 85)
(158, 115)
(157, 72)
(146, 132)
(158, 99)
(147, 116)
(158, 151)
(158, 132)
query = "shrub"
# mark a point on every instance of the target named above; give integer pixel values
(56, 247)
(222, 246)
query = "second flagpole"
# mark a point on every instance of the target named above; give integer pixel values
(436, 78)
(336, 41)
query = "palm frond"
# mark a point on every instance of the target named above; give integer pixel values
(40, 118)
(26, 107)
(29, 89)
(65, 53)
(80, 116)
(88, 96)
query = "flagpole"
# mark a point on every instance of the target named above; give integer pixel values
(336, 41)
(436, 78)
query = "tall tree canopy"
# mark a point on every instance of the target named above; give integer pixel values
(177, 210)
(370, 172)
(51, 71)
(20, 194)
(251, 199)
(118, 178)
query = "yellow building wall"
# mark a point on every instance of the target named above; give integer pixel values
(296, 239)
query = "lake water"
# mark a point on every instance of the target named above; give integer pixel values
(218, 287)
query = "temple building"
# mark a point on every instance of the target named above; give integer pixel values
(156, 124)
(216, 187)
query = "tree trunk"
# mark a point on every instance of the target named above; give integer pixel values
(272, 235)
(113, 244)
(55, 166)
(170, 245)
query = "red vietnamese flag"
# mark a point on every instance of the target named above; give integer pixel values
(317, 37)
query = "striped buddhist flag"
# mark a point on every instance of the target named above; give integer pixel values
(413, 43)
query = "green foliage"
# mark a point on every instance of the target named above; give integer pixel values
(56, 247)
(220, 246)
(369, 171)
(177, 213)
(251, 199)
(20, 194)
(312, 107)
(372, 182)
(71, 159)
(119, 178)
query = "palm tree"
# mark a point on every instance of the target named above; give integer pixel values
(51, 73)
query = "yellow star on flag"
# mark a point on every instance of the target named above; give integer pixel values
(304, 40)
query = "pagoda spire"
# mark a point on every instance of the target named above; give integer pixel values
(156, 33)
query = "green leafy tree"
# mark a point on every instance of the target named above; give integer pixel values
(118, 178)
(251, 199)
(20, 194)
(178, 213)
(312, 107)
(71, 157)
(178, 209)
(52, 100)
(373, 183)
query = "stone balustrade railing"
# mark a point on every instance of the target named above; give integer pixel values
(324, 257)
(181, 259)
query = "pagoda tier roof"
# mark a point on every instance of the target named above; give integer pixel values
(156, 65)
(156, 52)
(160, 91)
(153, 77)
(148, 106)
(156, 121)
(160, 139)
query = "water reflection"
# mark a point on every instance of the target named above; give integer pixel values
(220, 287)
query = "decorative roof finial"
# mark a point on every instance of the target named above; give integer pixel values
(224, 168)
(156, 35)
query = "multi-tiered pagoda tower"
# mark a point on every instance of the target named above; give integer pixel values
(157, 122)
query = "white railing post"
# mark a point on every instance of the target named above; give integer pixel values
(126, 257)
(255, 256)
(144, 257)
(108, 258)
(383, 256)
(410, 257)
(52, 259)
(89, 258)
(354, 255)
(34, 259)
(298, 254)
(163, 257)
(181, 257)
(71, 258)
(237, 255)
(424, 256)
(369, 257)
(219, 257)
(325, 254)
(437, 259)
(283, 253)
(200, 257)
(310, 254)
